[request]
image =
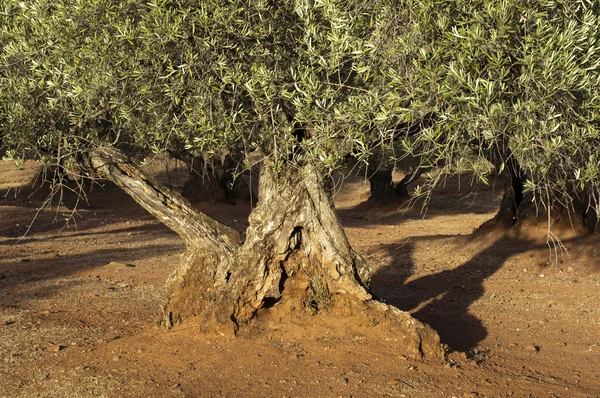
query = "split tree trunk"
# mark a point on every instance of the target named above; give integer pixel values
(294, 242)
(210, 246)
(295, 254)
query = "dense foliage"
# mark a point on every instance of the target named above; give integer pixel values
(295, 80)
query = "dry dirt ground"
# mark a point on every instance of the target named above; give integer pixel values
(78, 305)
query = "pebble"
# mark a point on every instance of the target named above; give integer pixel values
(532, 348)
(55, 348)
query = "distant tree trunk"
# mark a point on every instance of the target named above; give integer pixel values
(237, 187)
(401, 188)
(382, 186)
(205, 186)
(511, 201)
(204, 182)
(59, 173)
(518, 209)
(383, 189)
(295, 253)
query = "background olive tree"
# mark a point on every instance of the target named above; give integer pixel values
(513, 85)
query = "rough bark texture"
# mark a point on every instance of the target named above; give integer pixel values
(294, 237)
(295, 254)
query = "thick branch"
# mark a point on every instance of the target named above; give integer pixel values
(196, 229)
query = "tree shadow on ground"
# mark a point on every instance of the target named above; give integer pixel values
(88, 195)
(104, 202)
(20, 280)
(18, 236)
(442, 299)
(31, 257)
(446, 201)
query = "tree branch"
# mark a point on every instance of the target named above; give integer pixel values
(195, 228)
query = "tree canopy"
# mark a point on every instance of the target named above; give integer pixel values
(511, 85)
(299, 82)
(268, 76)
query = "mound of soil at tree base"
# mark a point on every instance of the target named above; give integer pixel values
(73, 324)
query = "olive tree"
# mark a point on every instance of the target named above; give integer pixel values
(95, 84)
(513, 85)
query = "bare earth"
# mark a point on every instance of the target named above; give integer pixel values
(78, 305)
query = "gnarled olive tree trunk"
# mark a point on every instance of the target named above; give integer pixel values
(295, 253)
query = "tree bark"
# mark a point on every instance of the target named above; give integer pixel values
(210, 245)
(511, 201)
(295, 255)
(294, 234)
